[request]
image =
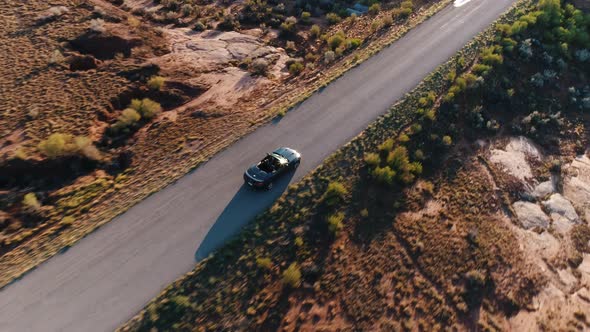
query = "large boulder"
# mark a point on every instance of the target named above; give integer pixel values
(530, 215)
(562, 213)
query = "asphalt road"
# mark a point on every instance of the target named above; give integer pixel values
(111, 274)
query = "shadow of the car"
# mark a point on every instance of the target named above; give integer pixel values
(246, 204)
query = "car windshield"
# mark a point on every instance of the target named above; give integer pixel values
(270, 163)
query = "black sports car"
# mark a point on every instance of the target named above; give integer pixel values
(271, 167)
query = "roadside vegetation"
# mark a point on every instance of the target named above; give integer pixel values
(105, 103)
(416, 224)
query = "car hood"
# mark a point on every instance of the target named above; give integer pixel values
(257, 174)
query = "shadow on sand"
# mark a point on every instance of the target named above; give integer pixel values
(246, 204)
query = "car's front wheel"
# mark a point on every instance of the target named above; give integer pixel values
(269, 186)
(296, 164)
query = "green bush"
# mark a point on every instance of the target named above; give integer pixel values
(374, 9)
(333, 18)
(315, 31)
(334, 193)
(31, 203)
(353, 43)
(447, 140)
(85, 147)
(372, 159)
(56, 145)
(384, 175)
(156, 83)
(264, 263)
(336, 40)
(398, 159)
(296, 68)
(128, 118)
(229, 23)
(305, 17)
(386, 146)
(259, 66)
(147, 108)
(292, 276)
(335, 223)
(481, 69)
(63, 145)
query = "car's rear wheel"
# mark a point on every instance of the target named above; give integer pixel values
(296, 164)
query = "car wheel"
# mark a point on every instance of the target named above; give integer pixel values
(269, 186)
(296, 164)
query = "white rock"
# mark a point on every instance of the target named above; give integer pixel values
(530, 215)
(562, 213)
(543, 189)
(513, 157)
(576, 184)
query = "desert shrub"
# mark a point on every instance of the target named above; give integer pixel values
(447, 140)
(490, 57)
(259, 66)
(156, 82)
(353, 43)
(419, 155)
(372, 159)
(199, 26)
(146, 107)
(374, 9)
(85, 147)
(329, 56)
(336, 40)
(428, 100)
(128, 118)
(387, 21)
(292, 276)
(56, 145)
(264, 263)
(387, 145)
(67, 221)
(376, 25)
(407, 4)
(30, 203)
(288, 27)
(398, 159)
(315, 31)
(481, 69)
(333, 18)
(334, 193)
(97, 25)
(305, 17)
(406, 8)
(62, 145)
(384, 175)
(296, 68)
(228, 23)
(187, 9)
(335, 223)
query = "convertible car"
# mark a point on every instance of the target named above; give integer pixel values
(271, 167)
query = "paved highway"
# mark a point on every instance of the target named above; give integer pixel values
(110, 275)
